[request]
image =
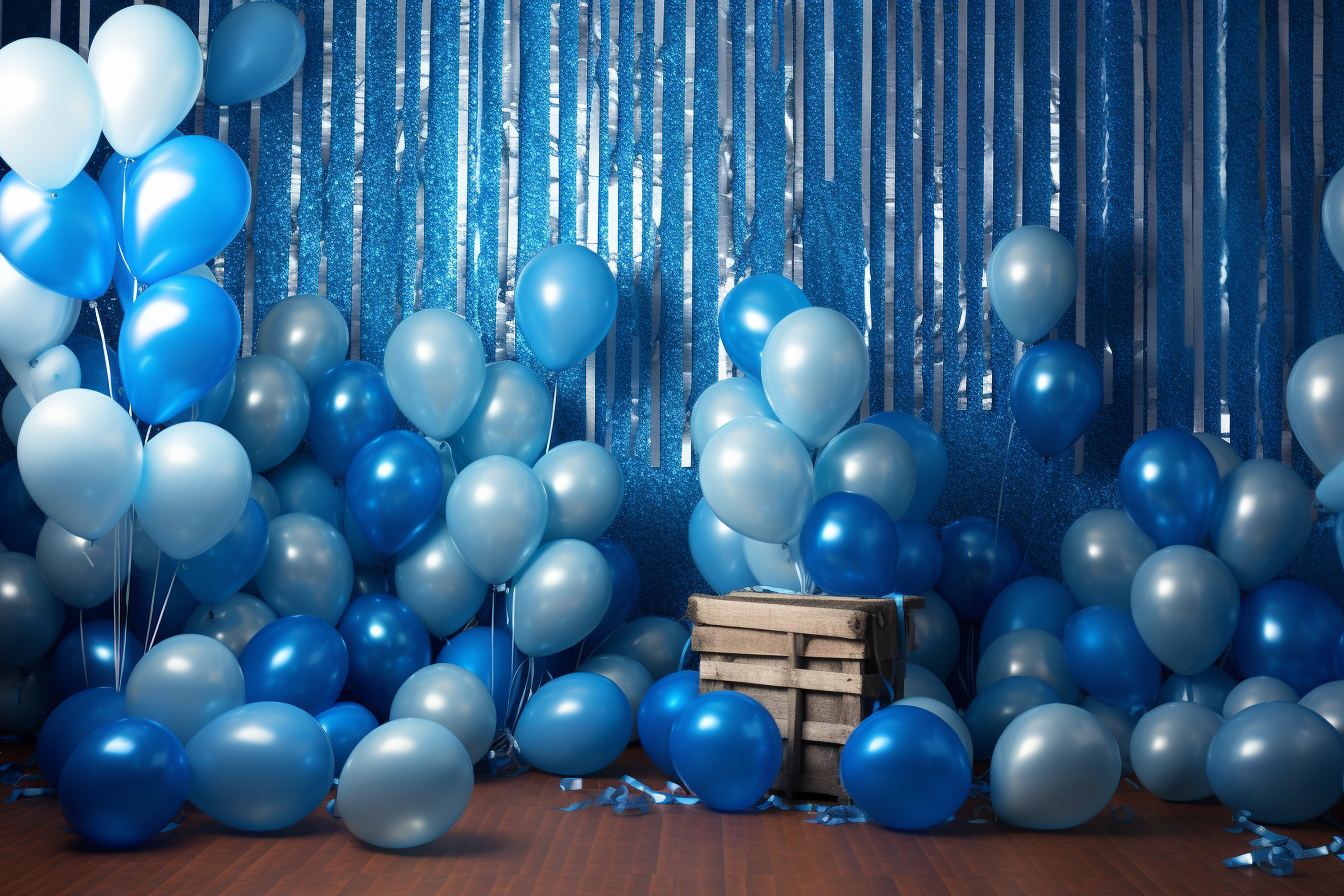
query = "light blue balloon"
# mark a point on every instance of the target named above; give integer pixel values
(184, 683)
(814, 369)
(434, 581)
(264, 494)
(627, 674)
(559, 597)
(1027, 651)
(434, 366)
(1262, 520)
(302, 486)
(565, 302)
(930, 460)
(81, 458)
(718, 552)
(49, 136)
(576, 724)
(869, 460)
(724, 401)
(1121, 722)
(920, 682)
(750, 311)
(194, 489)
(774, 565)
(1169, 750)
(512, 416)
(1185, 604)
(55, 369)
(757, 478)
(584, 488)
(1032, 277)
(1224, 455)
(1314, 400)
(268, 414)
(1100, 555)
(1332, 217)
(938, 636)
(995, 707)
(1209, 687)
(655, 642)
(497, 514)
(453, 697)
(1256, 690)
(255, 50)
(1055, 766)
(307, 570)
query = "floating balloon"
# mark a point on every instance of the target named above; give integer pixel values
(1262, 520)
(453, 697)
(71, 722)
(21, 520)
(1170, 749)
(869, 460)
(219, 572)
(584, 488)
(185, 682)
(1209, 688)
(51, 114)
(90, 657)
(919, 561)
(30, 615)
(718, 552)
(655, 642)
(902, 767)
(1108, 658)
(559, 597)
(488, 653)
(979, 559)
(1055, 394)
(938, 636)
(1030, 602)
(350, 407)
(1099, 556)
(920, 682)
(724, 401)
(434, 581)
(624, 589)
(307, 570)
(232, 622)
(301, 485)
(930, 459)
(80, 572)
(1055, 766)
(749, 312)
(663, 704)
(1032, 277)
(195, 487)
(1330, 490)
(1256, 690)
(775, 565)
(269, 411)
(1185, 604)
(1169, 486)
(757, 479)
(34, 319)
(849, 545)
(631, 677)
(1224, 455)
(1030, 652)
(497, 513)
(1121, 720)
(300, 660)
(1315, 400)
(254, 50)
(1289, 630)
(1332, 218)
(814, 369)
(52, 371)
(307, 332)
(62, 240)
(387, 643)
(435, 368)
(511, 417)
(346, 724)
(576, 724)
(392, 489)
(565, 302)
(995, 706)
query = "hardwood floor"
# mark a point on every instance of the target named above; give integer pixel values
(511, 841)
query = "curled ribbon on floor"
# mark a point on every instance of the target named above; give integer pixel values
(332, 810)
(833, 815)
(1274, 853)
(621, 800)
(19, 792)
(13, 773)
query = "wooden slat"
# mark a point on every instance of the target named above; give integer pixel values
(828, 601)
(720, 639)
(770, 617)
(827, 732)
(784, 677)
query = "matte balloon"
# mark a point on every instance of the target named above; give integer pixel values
(1169, 486)
(260, 767)
(16, 410)
(1032, 277)
(1099, 556)
(307, 570)
(1262, 520)
(662, 705)
(73, 720)
(724, 401)
(497, 513)
(995, 706)
(849, 545)
(901, 765)
(346, 724)
(1120, 720)
(718, 552)
(1289, 630)
(512, 417)
(434, 581)
(624, 589)
(565, 302)
(51, 113)
(1315, 401)
(488, 653)
(435, 368)
(938, 636)
(1108, 658)
(1185, 605)
(350, 407)
(576, 724)
(1327, 700)
(1281, 762)
(631, 677)
(30, 615)
(123, 783)
(656, 642)
(300, 660)
(584, 488)
(302, 486)
(920, 682)
(1169, 749)
(264, 494)
(1208, 687)
(80, 572)
(757, 478)
(1330, 490)
(1224, 455)
(775, 565)
(870, 460)
(980, 558)
(185, 682)
(62, 240)
(26, 696)
(453, 697)
(405, 784)
(392, 489)
(269, 411)
(930, 459)
(256, 49)
(1256, 690)
(1332, 216)
(21, 520)
(919, 560)
(307, 332)
(948, 715)
(559, 597)
(387, 643)
(814, 369)
(232, 622)
(1056, 392)
(749, 312)
(218, 572)
(1030, 602)
(727, 749)
(90, 657)
(1055, 766)
(1030, 652)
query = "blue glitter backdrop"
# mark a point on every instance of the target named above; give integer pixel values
(872, 152)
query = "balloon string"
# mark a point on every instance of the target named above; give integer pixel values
(998, 514)
(102, 335)
(83, 655)
(1031, 528)
(555, 397)
(169, 594)
(130, 553)
(153, 593)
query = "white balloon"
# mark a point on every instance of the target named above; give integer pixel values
(50, 111)
(147, 64)
(195, 488)
(55, 369)
(32, 320)
(775, 565)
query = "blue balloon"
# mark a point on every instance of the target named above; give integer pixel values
(487, 652)
(998, 704)
(624, 590)
(20, 518)
(919, 562)
(255, 50)
(93, 367)
(1290, 631)
(727, 749)
(663, 704)
(392, 489)
(512, 416)
(1030, 602)
(350, 406)
(124, 782)
(576, 724)
(930, 459)
(1169, 486)
(159, 602)
(564, 303)
(61, 239)
(112, 180)
(225, 568)
(1109, 660)
(95, 668)
(387, 643)
(346, 724)
(73, 720)
(750, 311)
(214, 404)
(906, 768)
(302, 486)
(850, 545)
(717, 551)
(185, 201)
(1056, 393)
(979, 559)
(178, 341)
(300, 660)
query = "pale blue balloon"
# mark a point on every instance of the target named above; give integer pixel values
(307, 570)
(814, 370)
(559, 597)
(497, 515)
(260, 767)
(1256, 690)
(434, 366)
(1332, 217)
(576, 724)
(724, 401)
(565, 302)
(1100, 555)
(1169, 749)
(1030, 652)
(1032, 277)
(584, 488)
(920, 682)
(1055, 766)
(938, 636)
(1330, 490)
(434, 581)
(264, 494)
(453, 697)
(302, 486)
(184, 683)
(55, 369)
(1208, 687)
(1185, 604)
(655, 642)
(718, 552)
(930, 459)
(50, 134)
(774, 565)
(1315, 402)
(627, 674)
(195, 488)
(255, 50)
(512, 416)
(1224, 455)
(1121, 722)
(1262, 520)
(757, 478)
(870, 460)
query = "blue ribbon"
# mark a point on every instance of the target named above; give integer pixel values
(29, 791)
(505, 759)
(833, 815)
(331, 809)
(13, 773)
(1274, 853)
(686, 648)
(621, 800)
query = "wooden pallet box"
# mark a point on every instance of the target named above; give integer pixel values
(817, 663)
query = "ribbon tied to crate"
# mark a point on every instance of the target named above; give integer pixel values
(1274, 853)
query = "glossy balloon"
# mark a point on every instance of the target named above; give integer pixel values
(62, 240)
(222, 570)
(1289, 630)
(21, 520)
(576, 724)
(749, 312)
(1262, 520)
(930, 459)
(511, 417)
(849, 545)
(55, 369)
(584, 488)
(34, 320)
(269, 411)
(1315, 402)
(307, 332)
(1032, 277)
(814, 369)
(995, 706)
(724, 401)
(757, 479)
(307, 569)
(1029, 652)
(435, 368)
(1056, 392)
(350, 407)
(453, 697)
(1208, 687)
(727, 749)
(387, 643)
(1332, 216)
(256, 49)
(1099, 556)
(628, 675)
(185, 682)
(1256, 690)
(938, 636)
(51, 113)
(73, 720)
(656, 642)
(488, 653)
(1055, 766)
(346, 724)
(920, 682)
(85, 658)
(948, 715)
(497, 513)
(870, 460)
(1120, 720)
(434, 581)
(1030, 602)
(919, 561)
(775, 565)
(718, 552)
(1224, 455)
(80, 572)
(232, 622)
(565, 302)
(30, 615)
(392, 489)
(624, 589)
(902, 767)
(1330, 490)
(662, 705)
(301, 485)
(195, 487)
(264, 494)
(1185, 604)
(559, 597)
(93, 368)
(1170, 747)
(300, 660)
(1108, 658)
(1169, 486)
(979, 559)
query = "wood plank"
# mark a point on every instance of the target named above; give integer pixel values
(720, 639)
(831, 601)
(784, 677)
(827, 732)
(805, 620)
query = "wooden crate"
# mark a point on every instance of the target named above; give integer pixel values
(817, 663)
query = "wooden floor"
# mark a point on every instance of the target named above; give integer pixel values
(511, 841)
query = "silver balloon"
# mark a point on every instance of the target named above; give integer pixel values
(937, 635)
(449, 466)
(496, 514)
(434, 581)
(306, 331)
(15, 412)
(1120, 721)
(869, 460)
(26, 695)
(627, 674)
(185, 682)
(1185, 604)
(1327, 700)
(724, 401)
(920, 682)
(302, 486)
(1170, 749)
(232, 622)
(1332, 217)
(1254, 691)
(814, 369)
(434, 366)
(1208, 688)
(774, 565)
(1032, 277)
(1261, 522)
(1224, 455)
(269, 411)
(584, 489)
(559, 597)
(1099, 556)
(1315, 402)
(453, 697)
(307, 570)
(718, 552)
(1055, 766)
(511, 416)
(264, 494)
(405, 784)
(948, 715)
(1030, 652)
(757, 479)
(655, 642)
(30, 615)
(80, 572)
